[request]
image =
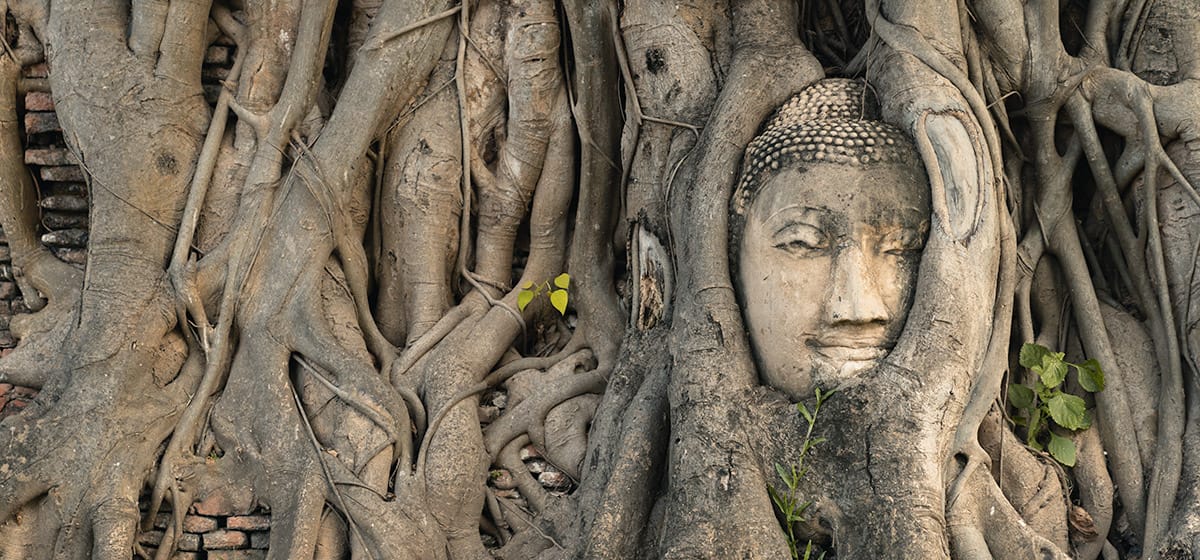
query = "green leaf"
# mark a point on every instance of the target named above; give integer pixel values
(782, 473)
(1031, 354)
(523, 299)
(1091, 377)
(558, 298)
(1062, 449)
(775, 497)
(1020, 396)
(1067, 410)
(800, 510)
(804, 412)
(1087, 420)
(1053, 372)
(528, 285)
(1035, 428)
(563, 280)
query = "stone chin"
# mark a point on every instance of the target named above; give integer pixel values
(835, 369)
(828, 369)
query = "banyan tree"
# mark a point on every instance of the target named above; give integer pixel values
(750, 278)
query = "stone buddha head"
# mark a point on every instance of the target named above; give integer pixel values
(828, 222)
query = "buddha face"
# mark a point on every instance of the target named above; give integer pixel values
(828, 261)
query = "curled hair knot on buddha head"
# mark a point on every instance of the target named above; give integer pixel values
(832, 121)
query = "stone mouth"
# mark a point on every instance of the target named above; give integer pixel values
(846, 349)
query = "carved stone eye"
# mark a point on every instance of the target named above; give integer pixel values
(801, 239)
(901, 242)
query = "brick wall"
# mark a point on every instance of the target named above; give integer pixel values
(212, 530)
(217, 536)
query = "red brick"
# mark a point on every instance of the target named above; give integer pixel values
(13, 407)
(39, 101)
(66, 238)
(237, 554)
(214, 73)
(260, 539)
(150, 538)
(52, 188)
(62, 173)
(64, 220)
(249, 522)
(221, 504)
(72, 256)
(49, 156)
(37, 123)
(65, 202)
(217, 54)
(39, 70)
(188, 542)
(198, 524)
(222, 539)
(4, 388)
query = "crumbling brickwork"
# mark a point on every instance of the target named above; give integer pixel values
(213, 529)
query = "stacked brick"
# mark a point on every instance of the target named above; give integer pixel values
(13, 398)
(62, 188)
(213, 537)
(62, 194)
(8, 292)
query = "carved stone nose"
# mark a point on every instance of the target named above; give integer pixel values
(855, 296)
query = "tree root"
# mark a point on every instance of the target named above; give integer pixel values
(984, 525)
(529, 416)
(110, 450)
(509, 458)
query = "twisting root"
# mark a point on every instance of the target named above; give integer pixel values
(509, 458)
(333, 487)
(529, 416)
(396, 431)
(182, 269)
(493, 380)
(1168, 452)
(427, 342)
